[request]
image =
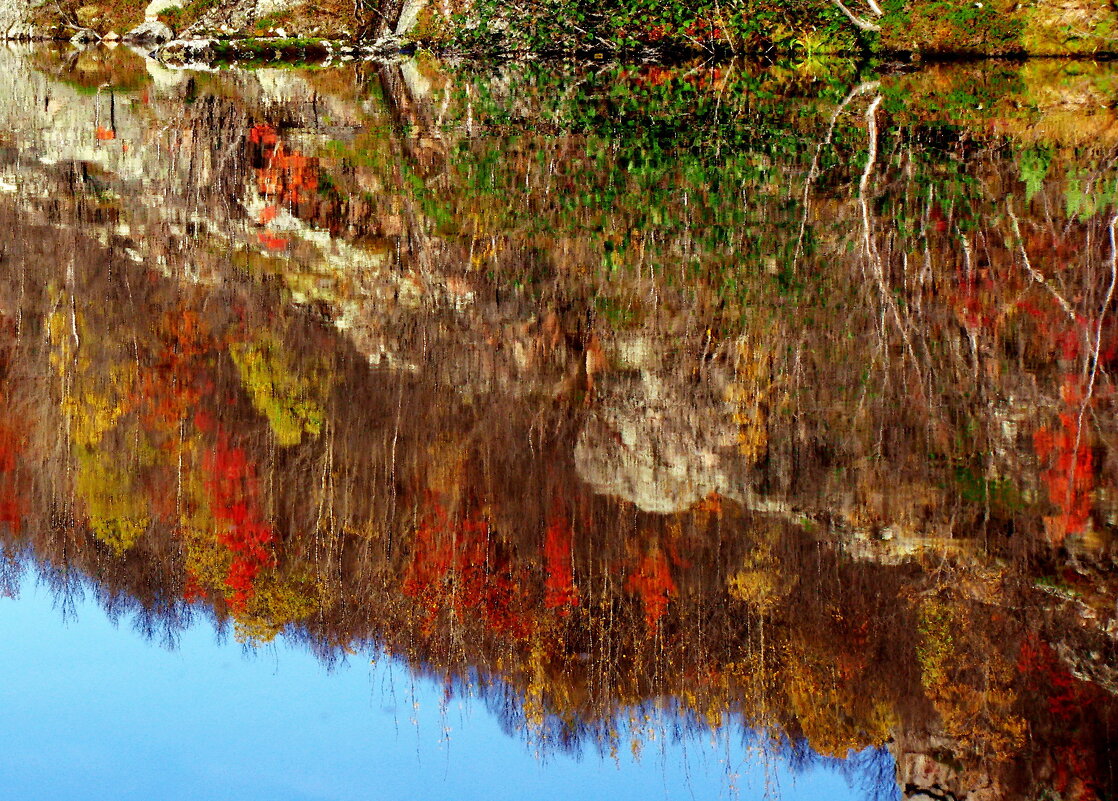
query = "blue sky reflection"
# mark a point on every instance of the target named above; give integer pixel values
(93, 710)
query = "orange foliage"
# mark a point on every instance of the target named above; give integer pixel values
(268, 213)
(173, 384)
(272, 242)
(652, 581)
(283, 174)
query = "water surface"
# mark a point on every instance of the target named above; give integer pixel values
(746, 418)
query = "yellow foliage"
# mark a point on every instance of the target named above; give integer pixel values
(969, 681)
(748, 395)
(206, 559)
(292, 403)
(91, 406)
(118, 516)
(834, 718)
(759, 581)
(275, 603)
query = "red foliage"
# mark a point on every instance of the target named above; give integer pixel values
(11, 505)
(1066, 698)
(652, 581)
(1047, 675)
(233, 501)
(191, 589)
(456, 561)
(560, 592)
(704, 30)
(10, 445)
(1069, 474)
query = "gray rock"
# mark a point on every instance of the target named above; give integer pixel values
(150, 33)
(13, 14)
(84, 37)
(188, 51)
(22, 32)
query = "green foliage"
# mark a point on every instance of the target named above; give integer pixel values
(272, 20)
(999, 494)
(292, 51)
(179, 17)
(1083, 202)
(807, 26)
(1033, 162)
(952, 26)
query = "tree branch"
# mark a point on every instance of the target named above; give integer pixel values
(862, 24)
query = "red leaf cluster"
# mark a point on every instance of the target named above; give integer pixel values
(233, 501)
(560, 592)
(11, 505)
(652, 581)
(1069, 474)
(283, 174)
(1066, 698)
(455, 562)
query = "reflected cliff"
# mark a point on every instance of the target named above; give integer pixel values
(774, 395)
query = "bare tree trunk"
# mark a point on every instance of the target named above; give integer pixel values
(862, 24)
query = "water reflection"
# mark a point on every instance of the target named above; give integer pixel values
(90, 711)
(779, 395)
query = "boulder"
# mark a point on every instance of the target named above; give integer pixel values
(150, 33)
(12, 15)
(22, 32)
(157, 7)
(187, 51)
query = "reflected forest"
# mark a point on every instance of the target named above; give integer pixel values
(632, 398)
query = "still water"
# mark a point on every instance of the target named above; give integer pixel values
(428, 431)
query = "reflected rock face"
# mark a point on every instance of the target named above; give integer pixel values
(705, 395)
(659, 447)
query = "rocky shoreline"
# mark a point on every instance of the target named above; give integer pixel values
(215, 31)
(209, 31)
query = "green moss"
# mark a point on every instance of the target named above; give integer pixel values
(293, 51)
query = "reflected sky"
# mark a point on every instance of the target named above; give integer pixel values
(93, 710)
